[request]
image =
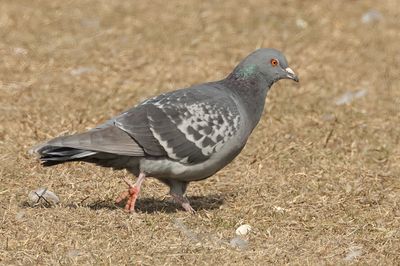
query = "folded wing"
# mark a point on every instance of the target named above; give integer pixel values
(186, 126)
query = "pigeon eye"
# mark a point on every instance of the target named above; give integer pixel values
(274, 62)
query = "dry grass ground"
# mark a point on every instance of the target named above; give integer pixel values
(318, 182)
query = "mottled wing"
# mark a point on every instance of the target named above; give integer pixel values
(187, 125)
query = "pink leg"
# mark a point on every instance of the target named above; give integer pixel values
(132, 193)
(184, 202)
(177, 191)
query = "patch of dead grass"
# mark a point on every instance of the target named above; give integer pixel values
(319, 183)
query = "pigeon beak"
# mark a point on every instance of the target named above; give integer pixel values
(291, 74)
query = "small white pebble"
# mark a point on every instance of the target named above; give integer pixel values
(301, 23)
(353, 253)
(371, 16)
(82, 70)
(20, 51)
(279, 209)
(243, 230)
(42, 197)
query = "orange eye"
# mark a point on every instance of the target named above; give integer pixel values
(274, 62)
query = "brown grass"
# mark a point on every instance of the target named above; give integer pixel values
(333, 169)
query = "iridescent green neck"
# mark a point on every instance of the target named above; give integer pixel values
(247, 71)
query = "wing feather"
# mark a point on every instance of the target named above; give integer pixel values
(186, 125)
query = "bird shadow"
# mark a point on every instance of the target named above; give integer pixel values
(144, 205)
(152, 205)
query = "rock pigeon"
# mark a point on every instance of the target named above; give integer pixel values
(180, 136)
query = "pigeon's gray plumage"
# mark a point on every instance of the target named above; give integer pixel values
(180, 136)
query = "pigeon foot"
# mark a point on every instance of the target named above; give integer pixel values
(131, 194)
(184, 202)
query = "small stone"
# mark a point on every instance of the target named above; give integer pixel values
(42, 197)
(20, 51)
(243, 230)
(82, 70)
(353, 253)
(301, 23)
(279, 209)
(371, 16)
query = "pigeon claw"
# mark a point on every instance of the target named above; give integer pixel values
(132, 194)
(184, 202)
(188, 208)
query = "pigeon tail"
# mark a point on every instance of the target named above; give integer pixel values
(52, 155)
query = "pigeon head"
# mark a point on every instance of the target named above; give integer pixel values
(265, 63)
